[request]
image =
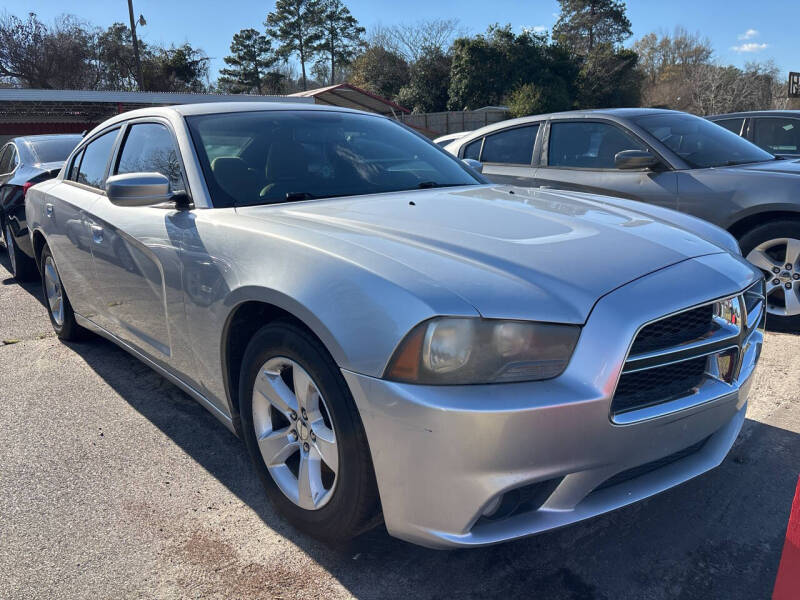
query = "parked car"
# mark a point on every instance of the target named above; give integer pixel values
(776, 131)
(668, 159)
(392, 335)
(25, 161)
(443, 140)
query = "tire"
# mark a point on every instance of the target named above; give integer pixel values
(347, 504)
(774, 247)
(61, 316)
(23, 268)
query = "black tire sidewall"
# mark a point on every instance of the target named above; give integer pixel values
(763, 233)
(355, 494)
(69, 330)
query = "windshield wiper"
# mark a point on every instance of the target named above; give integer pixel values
(424, 185)
(291, 196)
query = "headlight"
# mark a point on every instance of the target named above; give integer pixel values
(451, 350)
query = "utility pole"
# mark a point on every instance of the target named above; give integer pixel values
(135, 47)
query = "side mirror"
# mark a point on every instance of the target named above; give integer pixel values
(138, 189)
(635, 159)
(473, 164)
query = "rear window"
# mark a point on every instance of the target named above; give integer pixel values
(54, 149)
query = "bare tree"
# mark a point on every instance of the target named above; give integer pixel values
(413, 40)
(723, 89)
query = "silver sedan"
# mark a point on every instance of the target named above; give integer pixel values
(392, 336)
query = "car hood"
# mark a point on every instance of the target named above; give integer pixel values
(772, 167)
(515, 253)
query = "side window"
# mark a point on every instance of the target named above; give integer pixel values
(5, 159)
(513, 146)
(473, 149)
(149, 148)
(733, 125)
(778, 135)
(95, 159)
(73, 168)
(587, 145)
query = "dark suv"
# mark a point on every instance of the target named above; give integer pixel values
(776, 131)
(668, 158)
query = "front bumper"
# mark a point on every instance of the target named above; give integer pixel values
(443, 454)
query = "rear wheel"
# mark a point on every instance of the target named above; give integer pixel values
(22, 267)
(305, 436)
(775, 249)
(58, 306)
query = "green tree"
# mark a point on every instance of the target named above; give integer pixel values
(530, 99)
(379, 71)
(115, 58)
(609, 78)
(297, 26)
(584, 24)
(175, 69)
(487, 68)
(341, 36)
(248, 64)
(429, 80)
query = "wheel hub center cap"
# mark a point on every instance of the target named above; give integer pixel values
(302, 430)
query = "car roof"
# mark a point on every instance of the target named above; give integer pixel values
(756, 113)
(615, 114)
(208, 108)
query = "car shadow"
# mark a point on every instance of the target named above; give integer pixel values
(719, 535)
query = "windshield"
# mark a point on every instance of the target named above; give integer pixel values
(701, 143)
(54, 149)
(266, 157)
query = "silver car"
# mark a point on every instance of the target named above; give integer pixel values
(392, 336)
(669, 159)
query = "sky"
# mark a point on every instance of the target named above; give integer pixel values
(739, 30)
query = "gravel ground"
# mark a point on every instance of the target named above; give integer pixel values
(115, 484)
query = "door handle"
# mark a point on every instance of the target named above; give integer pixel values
(97, 234)
(48, 209)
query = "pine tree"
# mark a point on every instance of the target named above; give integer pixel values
(296, 24)
(340, 36)
(585, 24)
(251, 57)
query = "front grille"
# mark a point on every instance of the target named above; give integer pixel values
(651, 466)
(659, 384)
(676, 330)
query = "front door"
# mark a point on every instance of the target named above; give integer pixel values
(579, 156)
(136, 251)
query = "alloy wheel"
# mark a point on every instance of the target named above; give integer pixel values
(295, 433)
(780, 261)
(54, 291)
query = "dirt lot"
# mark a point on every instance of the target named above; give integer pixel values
(114, 484)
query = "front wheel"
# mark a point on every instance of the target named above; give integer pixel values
(774, 248)
(304, 435)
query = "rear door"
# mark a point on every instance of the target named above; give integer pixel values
(777, 135)
(137, 249)
(65, 220)
(579, 155)
(507, 155)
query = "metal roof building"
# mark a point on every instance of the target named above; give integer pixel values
(31, 111)
(346, 95)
